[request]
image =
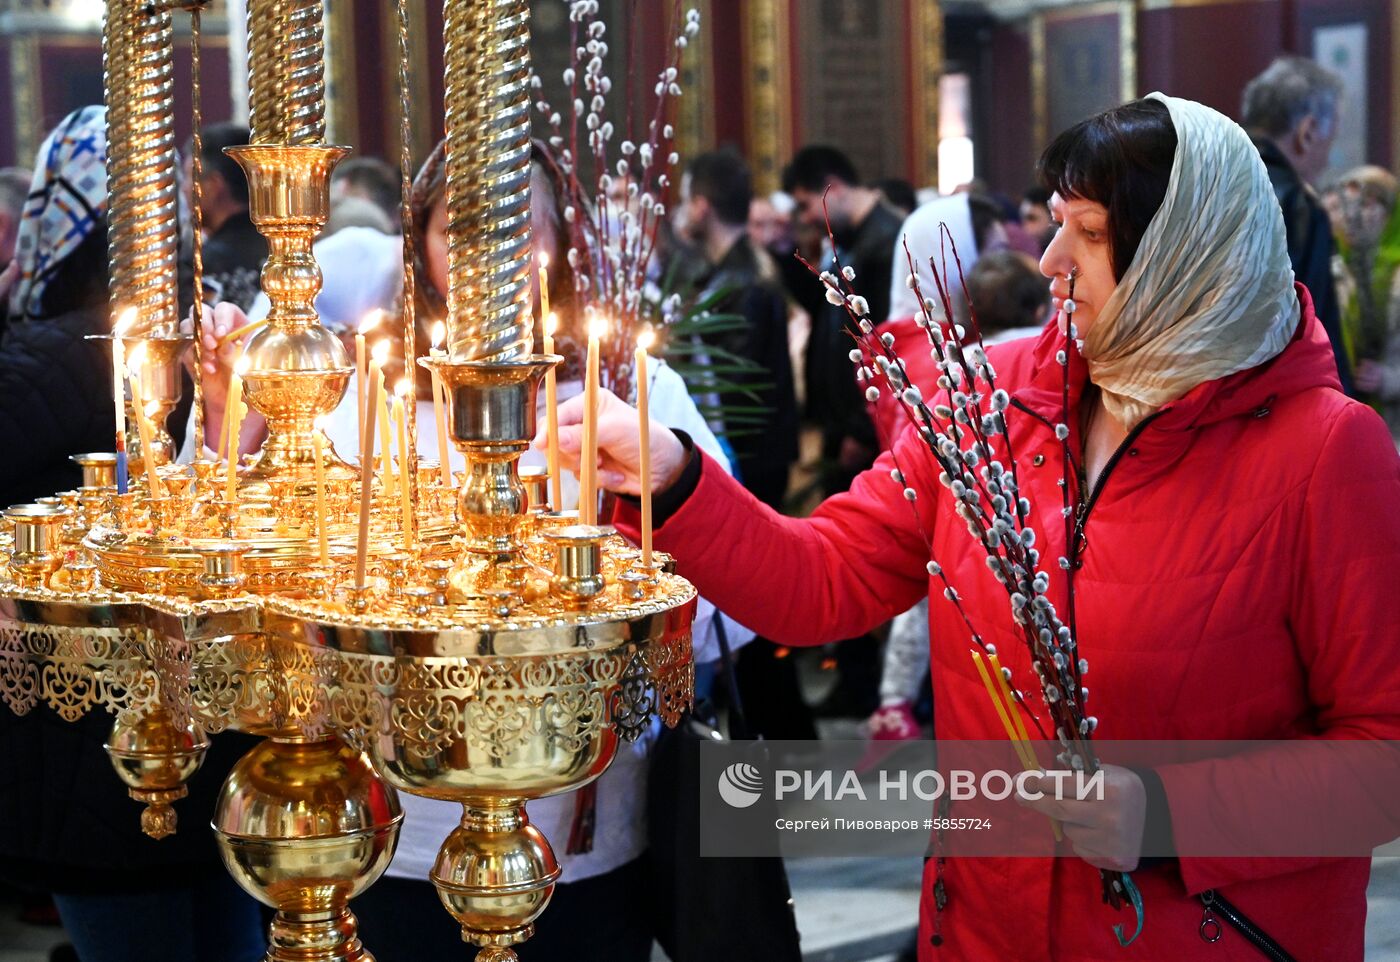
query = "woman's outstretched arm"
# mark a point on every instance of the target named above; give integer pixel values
(858, 561)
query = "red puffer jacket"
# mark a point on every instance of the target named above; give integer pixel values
(1237, 583)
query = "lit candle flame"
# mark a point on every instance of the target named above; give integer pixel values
(124, 321)
(646, 339)
(152, 408)
(136, 359)
(544, 260)
(401, 389)
(598, 327)
(551, 324)
(439, 333)
(322, 422)
(371, 321)
(240, 366)
(380, 353)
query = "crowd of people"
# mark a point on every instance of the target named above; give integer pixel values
(818, 437)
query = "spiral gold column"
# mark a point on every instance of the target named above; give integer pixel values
(488, 179)
(142, 228)
(286, 72)
(155, 754)
(297, 370)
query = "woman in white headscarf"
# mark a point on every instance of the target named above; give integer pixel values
(1233, 529)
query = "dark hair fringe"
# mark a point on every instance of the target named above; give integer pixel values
(1121, 158)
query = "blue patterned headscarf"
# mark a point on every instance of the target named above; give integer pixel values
(67, 201)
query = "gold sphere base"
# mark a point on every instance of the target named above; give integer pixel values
(304, 827)
(155, 757)
(495, 873)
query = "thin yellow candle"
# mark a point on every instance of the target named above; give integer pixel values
(551, 408)
(380, 408)
(401, 416)
(143, 423)
(127, 318)
(321, 534)
(370, 322)
(1011, 705)
(1000, 705)
(544, 294)
(588, 458)
(234, 419)
(390, 477)
(143, 427)
(639, 371)
(366, 479)
(440, 405)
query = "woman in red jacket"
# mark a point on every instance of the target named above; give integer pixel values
(1238, 526)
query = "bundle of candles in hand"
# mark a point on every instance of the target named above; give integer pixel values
(969, 439)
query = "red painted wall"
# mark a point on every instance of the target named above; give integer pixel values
(1008, 155)
(7, 119)
(1208, 53)
(726, 37)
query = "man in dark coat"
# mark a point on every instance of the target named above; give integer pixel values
(865, 229)
(715, 196)
(1290, 111)
(234, 251)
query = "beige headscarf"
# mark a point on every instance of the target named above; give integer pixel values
(1210, 290)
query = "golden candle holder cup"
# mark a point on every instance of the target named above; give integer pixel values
(536, 481)
(155, 757)
(438, 573)
(208, 474)
(76, 527)
(297, 370)
(167, 517)
(96, 506)
(318, 582)
(578, 563)
(179, 483)
(99, 468)
(224, 514)
(492, 418)
(356, 597)
(82, 576)
(38, 543)
(125, 509)
(223, 575)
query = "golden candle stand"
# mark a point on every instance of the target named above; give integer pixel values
(496, 650)
(514, 687)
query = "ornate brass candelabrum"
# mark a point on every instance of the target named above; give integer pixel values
(495, 652)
